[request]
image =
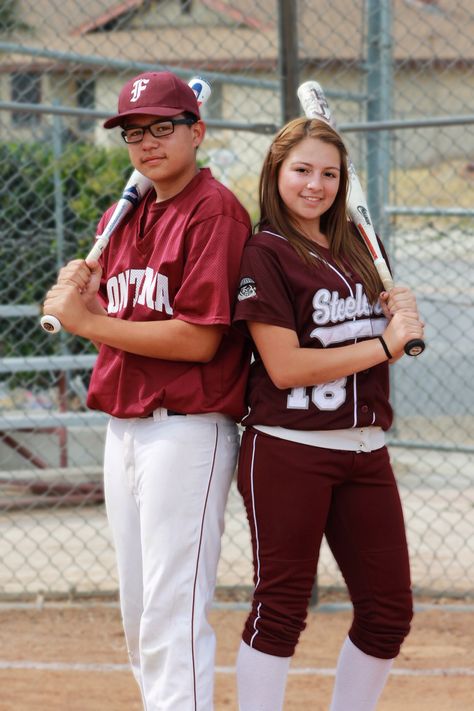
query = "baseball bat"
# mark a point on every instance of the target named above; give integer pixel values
(136, 187)
(315, 105)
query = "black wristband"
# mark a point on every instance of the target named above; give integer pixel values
(385, 347)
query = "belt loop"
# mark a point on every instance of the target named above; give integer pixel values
(161, 413)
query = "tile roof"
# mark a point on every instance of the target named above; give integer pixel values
(423, 30)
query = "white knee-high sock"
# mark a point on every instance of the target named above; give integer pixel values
(360, 679)
(261, 680)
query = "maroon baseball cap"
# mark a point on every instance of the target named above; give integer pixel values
(154, 93)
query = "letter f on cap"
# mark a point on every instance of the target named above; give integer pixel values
(137, 88)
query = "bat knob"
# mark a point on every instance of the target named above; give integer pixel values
(50, 324)
(201, 88)
(414, 347)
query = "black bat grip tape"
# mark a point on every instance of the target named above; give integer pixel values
(414, 347)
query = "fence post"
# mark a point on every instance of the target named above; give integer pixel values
(379, 90)
(63, 377)
(288, 59)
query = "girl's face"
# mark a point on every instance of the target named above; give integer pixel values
(309, 180)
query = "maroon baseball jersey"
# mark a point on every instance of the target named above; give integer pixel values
(326, 307)
(175, 259)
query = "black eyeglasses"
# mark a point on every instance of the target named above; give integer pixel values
(158, 129)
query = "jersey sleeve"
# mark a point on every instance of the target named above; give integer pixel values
(213, 253)
(264, 294)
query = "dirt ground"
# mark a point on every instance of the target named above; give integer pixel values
(43, 653)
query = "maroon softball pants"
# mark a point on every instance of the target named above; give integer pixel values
(295, 493)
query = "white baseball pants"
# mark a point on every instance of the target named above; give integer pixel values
(166, 484)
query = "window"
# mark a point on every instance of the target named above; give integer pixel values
(26, 89)
(85, 94)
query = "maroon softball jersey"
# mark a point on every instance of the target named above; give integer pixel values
(175, 259)
(326, 307)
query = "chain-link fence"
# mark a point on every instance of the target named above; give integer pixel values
(399, 77)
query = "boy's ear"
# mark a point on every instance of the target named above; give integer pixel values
(199, 131)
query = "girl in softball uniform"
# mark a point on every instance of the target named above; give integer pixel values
(313, 460)
(171, 373)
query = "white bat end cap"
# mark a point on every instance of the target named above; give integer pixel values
(51, 324)
(309, 86)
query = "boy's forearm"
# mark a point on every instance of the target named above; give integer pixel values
(169, 340)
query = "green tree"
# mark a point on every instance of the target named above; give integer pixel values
(9, 17)
(91, 179)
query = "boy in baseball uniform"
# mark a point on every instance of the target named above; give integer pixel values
(171, 373)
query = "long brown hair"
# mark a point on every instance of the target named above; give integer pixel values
(344, 245)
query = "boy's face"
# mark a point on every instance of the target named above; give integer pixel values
(168, 160)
